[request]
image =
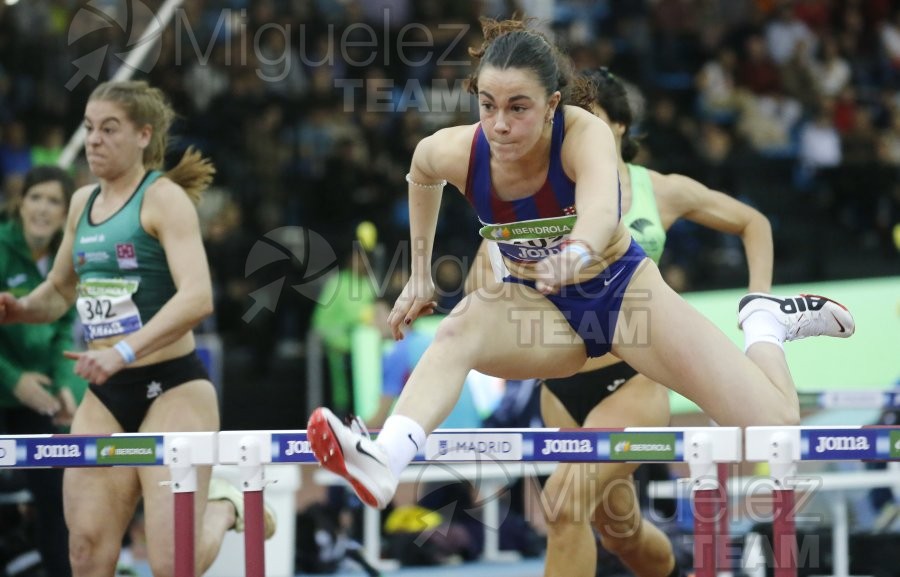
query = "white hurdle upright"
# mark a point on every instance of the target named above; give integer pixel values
(184, 452)
(783, 447)
(250, 451)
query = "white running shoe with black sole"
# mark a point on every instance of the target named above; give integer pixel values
(352, 455)
(802, 315)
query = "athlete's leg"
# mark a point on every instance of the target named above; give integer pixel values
(579, 493)
(519, 335)
(516, 335)
(640, 545)
(189, 407)
(99, 502)
(664, 338)
(567, 505)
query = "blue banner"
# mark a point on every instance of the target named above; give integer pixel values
(291, 448)
(572, 446)
(841, 445)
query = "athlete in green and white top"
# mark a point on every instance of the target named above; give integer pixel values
(651, 203)
(124, 277)
(132, 261)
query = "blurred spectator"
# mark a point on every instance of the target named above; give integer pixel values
(890, 43)
(397, 366)
(15, 153)
(757, 71)
(786, 33)
(716, 84)
(798, 78)
(208, 79)
(38, 386)
(831, 71)
(844, 108)
(347, 300)
(50, 146)
(859, 146)
(666, 141)
(768, 123)
(820, 143)
(890, 144)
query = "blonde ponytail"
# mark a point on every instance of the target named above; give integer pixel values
(194, 173)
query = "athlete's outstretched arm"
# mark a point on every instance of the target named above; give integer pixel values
(438, 159)
(591, 160)
(723, 213)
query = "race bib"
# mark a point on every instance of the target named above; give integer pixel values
(531, 240)
(107, 309)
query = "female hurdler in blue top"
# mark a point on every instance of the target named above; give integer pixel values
(574, 288)
(609, 393)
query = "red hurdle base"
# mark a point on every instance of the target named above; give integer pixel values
(254, 534)
(784, 533)
(185, 564)
(706, 512)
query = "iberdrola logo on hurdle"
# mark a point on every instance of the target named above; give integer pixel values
(642, 446)
(122, 450)
(894, 453)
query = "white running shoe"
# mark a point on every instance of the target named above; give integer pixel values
(802, 315)
(352, 455)
(220, 489)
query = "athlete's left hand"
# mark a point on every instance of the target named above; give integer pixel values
(96, 366)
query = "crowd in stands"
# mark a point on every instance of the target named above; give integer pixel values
(310, 110)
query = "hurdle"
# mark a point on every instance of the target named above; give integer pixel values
(855, 399)
(783, 448)
(499, 452)
(701, 447)
(181, 452)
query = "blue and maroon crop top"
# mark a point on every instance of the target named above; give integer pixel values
(531, 228)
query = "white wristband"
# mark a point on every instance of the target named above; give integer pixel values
(584, 254)
(126, 351)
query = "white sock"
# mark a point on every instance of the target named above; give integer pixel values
(401, 438)
(763, 327)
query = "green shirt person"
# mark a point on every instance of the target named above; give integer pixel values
(39, 389)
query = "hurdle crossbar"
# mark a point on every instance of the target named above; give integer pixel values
(783, 447)
(701, 447)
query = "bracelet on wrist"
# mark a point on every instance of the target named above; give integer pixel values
(126, 351)
(435, 186)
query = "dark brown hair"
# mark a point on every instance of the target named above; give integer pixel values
(513, 44)
(602, 88)
(39, 175)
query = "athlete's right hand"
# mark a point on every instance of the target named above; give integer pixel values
(10, 309)
(417, 299)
